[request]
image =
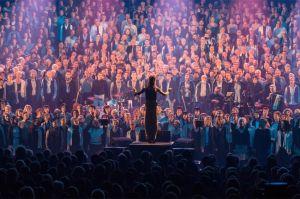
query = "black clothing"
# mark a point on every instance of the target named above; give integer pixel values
(150, 117)
(2, 93)
(262, 144)
(54, 140)
(256, 92)
(241, 136)
(10, 94)
(75, 139)
(100, 87)
(196, 136)
(220, 98)
(50, 95)
(220, 143)
(68, 93)
(296, 137)
(3, 139)
(35, 99)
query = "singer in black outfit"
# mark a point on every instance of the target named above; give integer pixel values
(150, 117)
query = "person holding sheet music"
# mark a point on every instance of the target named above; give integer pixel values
(275, 100)
(68, 90)
(216, 99)
(202, 93)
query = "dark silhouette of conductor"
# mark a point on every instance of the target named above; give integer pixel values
(150, 117)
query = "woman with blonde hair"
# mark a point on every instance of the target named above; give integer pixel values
(207, 140)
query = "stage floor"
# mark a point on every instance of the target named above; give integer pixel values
(156, 144)
(156, 148)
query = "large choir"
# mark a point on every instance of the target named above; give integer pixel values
(73, 80)
(89, 129)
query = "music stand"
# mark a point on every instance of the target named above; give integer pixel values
(229, 97)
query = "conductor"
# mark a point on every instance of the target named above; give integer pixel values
(150, 117)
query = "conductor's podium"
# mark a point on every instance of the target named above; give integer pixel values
(162, 144)
(156, 148)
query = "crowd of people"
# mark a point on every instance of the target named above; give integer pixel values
(69, 68)
(110, 175)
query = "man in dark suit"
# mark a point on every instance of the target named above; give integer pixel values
(49, 91)
(118, 87)
(228, 83)
(202, 93)
(151, 27)
(33, 89)
(187, 90)
(68, 90)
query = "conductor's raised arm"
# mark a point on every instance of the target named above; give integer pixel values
(135, 93)
(163, 93)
